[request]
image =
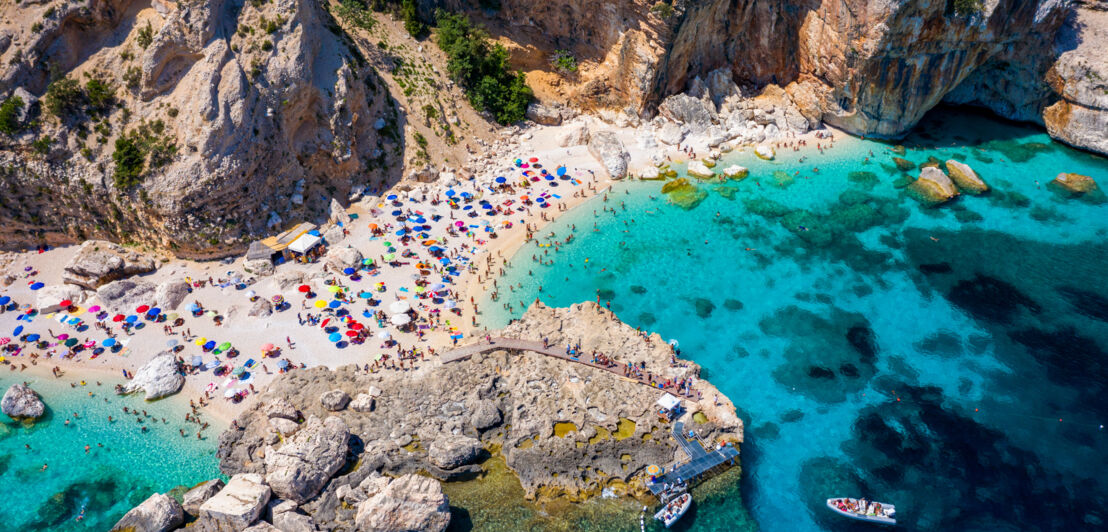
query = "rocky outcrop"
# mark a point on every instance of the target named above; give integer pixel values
(49, 298)
(199, 494)
(159, 513)
(606, 147)
(98, 262)
(1080, 78)
(964, 176)
(299, 469)
(125, 295)
(20, 402)
(170, 293)
(486, 415)
(411, 502)
(933, 186)
(576, 136)
(341, 257)
(1075, 184)
(248, 121)
(454, 451)
(699, 169)
(547, 115)
(362, 403)
(157, 378)
(735, 172)
(236, 506)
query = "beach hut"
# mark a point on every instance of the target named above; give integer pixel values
(669, 407)
(306, 246)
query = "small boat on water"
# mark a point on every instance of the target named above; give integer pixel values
(674, 509)
(864, 510)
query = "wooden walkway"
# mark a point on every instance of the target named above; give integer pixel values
(700, 460)
(465, 352)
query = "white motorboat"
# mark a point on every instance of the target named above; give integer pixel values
(864, 510)
(674, 509)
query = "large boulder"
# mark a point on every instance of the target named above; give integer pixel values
(199, 494)
(259, 267)
(47, 299)
(410, 502)
(299, 469)
(159, 513)
(449, 452)
(124, 295)
(362, 403)
(334, 400)
(158, 378)
(685, 109)
(261, 308)
(338, 213)
(98, 262)
(21, 402)
(933, 186)
(606, 147)
(340, 257)
(289, 278)
(1075, 184)
(575, 136)
(671, 134)
(964, 176)
(546, 115)
(170, 293)
(237, 505)
(281, 408)
(701, 170)
(736, 172)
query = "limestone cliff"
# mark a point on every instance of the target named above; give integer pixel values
(246, 115)
(1080, 77)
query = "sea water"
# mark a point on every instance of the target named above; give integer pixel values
(951, 360)
(123, 466)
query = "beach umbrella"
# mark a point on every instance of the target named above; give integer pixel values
(388, 244)
(450, 304)
(117, 318)
(334, 337)
(238, 371)
(320, 303)
(365, 295)
(450, 193)
(384, 335)
(4, 341)
(397, 307)
(230, 392)
(304, 289)
(282, 364)
(193, 307)
(131, 319)
(108, 342)
(267, 348)
(367, 262)
(196, 360)
(154, 311)
(142, 308)
(71, 342)
(251, 293)
(352, 333)
(63, 336)
(171, 343)
(17, 331)
(348, 271)
(211, 314)
(357, 326)
(333, 288)
(334, 304)
(94, 308)
(390, 257)
(65, 303)
(533, 159)
(400, 319)
(437, 286)
(36, 286)
(460, 224)
(32, 337)
(278, 298)
(173, 316)
(391, 197)
(4, 300)
(201, 340)
(209, 345)
(225, 346)
(561, 171)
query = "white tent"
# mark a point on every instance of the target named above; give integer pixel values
(401, 319)
(304, 243)
(399, 306)
(668, 402)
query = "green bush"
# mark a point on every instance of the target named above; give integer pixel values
(63, 97)
(410, 14)
(9, 115)
(564, 62)
(132, 77)
(100, 94)
(967, 7)
(481, 68)
(129, 162)
(42, 145)
(145, 36)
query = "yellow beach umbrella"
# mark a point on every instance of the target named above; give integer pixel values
(201, 341)
(319, 303)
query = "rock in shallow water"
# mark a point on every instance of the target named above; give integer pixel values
(453, 451)
(21, 402)
(965, 177)
(933, 186)
(159, 513)
(158, 378)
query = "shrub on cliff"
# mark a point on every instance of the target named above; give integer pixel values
(129, 161)
(64, 97)
(9, 115)
(966, 7)
(481, 68)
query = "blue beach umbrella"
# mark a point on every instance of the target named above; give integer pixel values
(4, 300)
(450, 193)
(282, 364)
(334, 304)
(466, 195)
(194, 307)
(391, 197)
(549, 177)
(17, 331)
(335, 337)
(501, 180)
(348, 271)
(467, 207)
(154, 311)
(561, 171)
(209, 345)
(397, 212)
(365, 295)
(108, 342)
(37, 286)
(131, 319)
(32, 337)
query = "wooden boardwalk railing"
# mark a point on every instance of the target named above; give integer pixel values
(465, 352)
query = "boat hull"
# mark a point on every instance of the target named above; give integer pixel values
(875, 519)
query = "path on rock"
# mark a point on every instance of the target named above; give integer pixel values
(465, 352)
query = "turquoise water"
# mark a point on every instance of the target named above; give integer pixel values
(952, 360)
(107, 481)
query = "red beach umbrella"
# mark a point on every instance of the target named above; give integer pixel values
(65, 303)
(117, 318)
(357, 326)
(267, 348)
(142, 308)
(352, 333)
(304, 289)
(534, 159)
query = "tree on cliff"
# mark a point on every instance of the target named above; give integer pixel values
(481, 68)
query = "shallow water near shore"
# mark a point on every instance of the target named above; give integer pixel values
(951, 360)
(109, 480)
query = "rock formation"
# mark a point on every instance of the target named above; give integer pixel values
(21, 402)
(964, 176)
(411, 502)
(157, 378)
(1075, 184)
(98, 262)
(297, 470)
(606, 147)
(159, 513)
(199, 494)
(1080, 77)
(933, 186)
(698, 169)
(236, 506)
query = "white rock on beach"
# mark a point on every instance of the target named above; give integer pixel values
(340, 257)
(300, 468)
(158, 513)
(98, 262)
(21, 402)
(735, 171)
(158, 378)
(411, 502)
(170, 293)
(47, 298)
(576, 136)
(362, 403)
(237, 505)
(650, 172)
(698, 169)
(606, 147)
(765, 152)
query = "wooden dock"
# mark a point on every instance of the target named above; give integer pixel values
(700, 460)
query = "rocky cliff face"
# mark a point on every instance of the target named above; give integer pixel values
(1080, 77)
(250, 114)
